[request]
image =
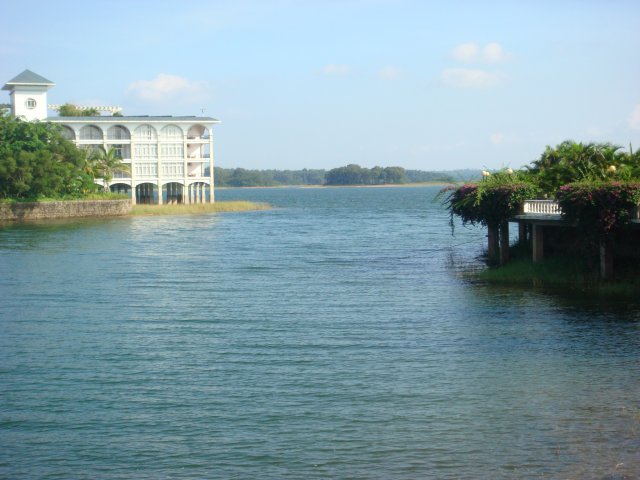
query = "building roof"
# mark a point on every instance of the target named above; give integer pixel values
(27, 78)
(134, 119)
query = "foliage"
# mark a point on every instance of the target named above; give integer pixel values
(70, 110)
(598, 208)
(491, 201)
(240, 177)
(104, 164)
(36, 161)
(356, 175)
(419, 176)
(574, 162)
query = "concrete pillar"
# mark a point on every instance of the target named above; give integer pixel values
(211, 179)
(522, 232)
(159, 192)
(504, 243)
(606, 259)
(493, 246)
(537, 238)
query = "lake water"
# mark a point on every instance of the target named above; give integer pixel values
(334, 336)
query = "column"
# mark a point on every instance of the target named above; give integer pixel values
(504, 243)
(522, 232)
(606, 258)
(211, 185)
(493, 243)
(133, 170)
(537, 239)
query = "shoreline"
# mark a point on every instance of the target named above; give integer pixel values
(385, 185)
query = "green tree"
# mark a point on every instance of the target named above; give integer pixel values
(70, 110)
(37, 161)
(105, 164)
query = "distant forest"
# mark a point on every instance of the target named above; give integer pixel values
(347, 175)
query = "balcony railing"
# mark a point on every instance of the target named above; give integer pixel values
(541, 207)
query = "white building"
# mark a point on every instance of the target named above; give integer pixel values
(171, 158)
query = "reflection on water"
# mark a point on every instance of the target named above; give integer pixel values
(334, 336)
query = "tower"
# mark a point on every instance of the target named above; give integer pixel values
(28, 93)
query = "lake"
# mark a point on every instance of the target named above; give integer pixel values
(334, 336)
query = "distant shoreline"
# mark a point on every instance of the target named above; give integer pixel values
(385, 185)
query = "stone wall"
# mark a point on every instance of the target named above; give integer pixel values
(74, 208)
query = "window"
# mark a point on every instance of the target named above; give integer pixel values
(30, 103)
(149, 150)
(146, 170)
(68, 133)
(172, 150)
(118, 132)
(146, 132)
(172, 169)
(121, 151)
(171, 132)
(90, 132)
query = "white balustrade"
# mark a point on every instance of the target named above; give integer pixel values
(542, 207)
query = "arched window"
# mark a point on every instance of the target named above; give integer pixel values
(90, 132)
(146, 132)
(68, 133)
(118, 132)
(198, 132)
(171, 132)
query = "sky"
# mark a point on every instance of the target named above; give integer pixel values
(324, 83)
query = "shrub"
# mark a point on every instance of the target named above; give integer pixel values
(598, 208)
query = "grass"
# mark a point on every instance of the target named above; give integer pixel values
(560, 272)
(183, 209)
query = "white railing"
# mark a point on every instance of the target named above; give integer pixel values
(542, 207)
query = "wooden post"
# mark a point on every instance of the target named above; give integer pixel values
(504, 243)
(538, 242)
(493, 243)
(606, 259)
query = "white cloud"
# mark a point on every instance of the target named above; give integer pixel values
(634, 118)
(166, 86)
(472, 52)
(336, 69)
(497, 138)
(469, 78)
(492, 52)
(466, 52)
(389, 73)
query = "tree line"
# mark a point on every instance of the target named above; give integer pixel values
(348, 175)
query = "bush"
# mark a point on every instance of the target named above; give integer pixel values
(598, 208)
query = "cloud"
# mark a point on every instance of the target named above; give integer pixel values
(497, 138)
(336, 69)
(389, 73)
(472, 52)
(166, 86)
(634, 118)
(466, 52)
(469, 78)
(492, 52)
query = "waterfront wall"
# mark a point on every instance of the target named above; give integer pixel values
(67, 209)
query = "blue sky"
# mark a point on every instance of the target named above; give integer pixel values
(320, 84)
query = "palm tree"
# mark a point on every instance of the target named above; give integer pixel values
(107, 163)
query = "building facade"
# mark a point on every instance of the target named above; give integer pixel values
(170, 159)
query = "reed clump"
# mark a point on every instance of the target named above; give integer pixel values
(184, 209)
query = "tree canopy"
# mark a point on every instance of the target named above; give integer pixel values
(70, 110)
(36, 161)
